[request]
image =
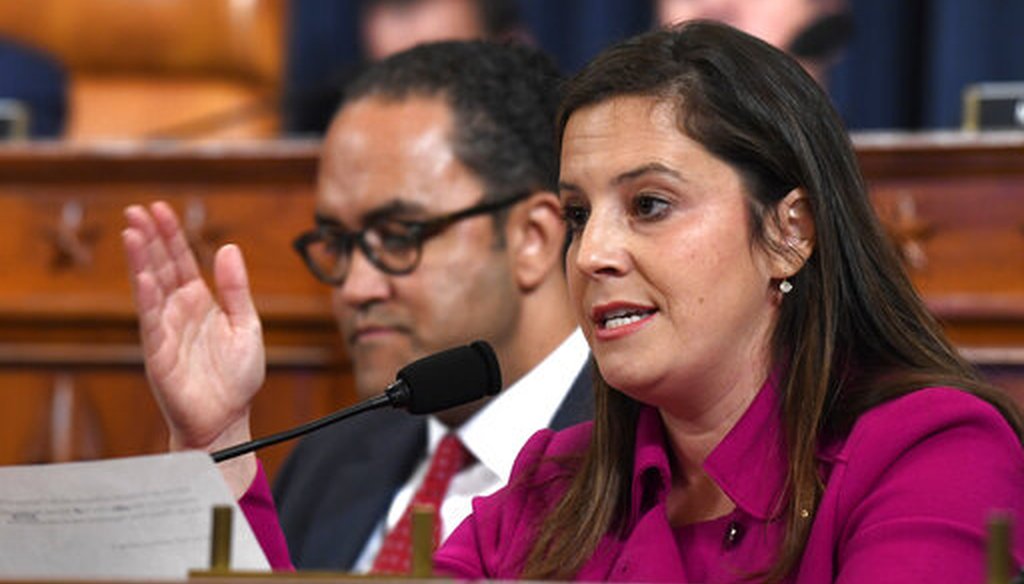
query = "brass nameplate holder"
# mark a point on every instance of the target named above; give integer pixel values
(423, 518)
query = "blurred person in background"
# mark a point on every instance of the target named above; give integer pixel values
(813, 31)
(392, 26)
(387, 27)
(436, 225)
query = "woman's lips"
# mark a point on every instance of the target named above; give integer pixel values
(619, 319)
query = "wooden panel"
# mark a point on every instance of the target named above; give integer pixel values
(63, 215)
(955, 205)
(68, 340)
(71, 414)
(211, 38)
(211, 109)
(210, 69)
(61, 413)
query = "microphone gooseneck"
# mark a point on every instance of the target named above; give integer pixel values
(373, 403)
(431, 384)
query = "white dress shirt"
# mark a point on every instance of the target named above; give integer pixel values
(494, 436)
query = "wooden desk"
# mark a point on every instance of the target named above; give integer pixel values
(70, 371)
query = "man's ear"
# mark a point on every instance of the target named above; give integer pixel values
(535, 235)
(793, 234)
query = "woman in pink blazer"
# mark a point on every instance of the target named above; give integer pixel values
(774, 401)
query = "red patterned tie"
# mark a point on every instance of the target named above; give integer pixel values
(395, 556)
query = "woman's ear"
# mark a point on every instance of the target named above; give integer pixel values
(792, 234)
(535, 234)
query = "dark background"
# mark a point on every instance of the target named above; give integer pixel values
(905, 68)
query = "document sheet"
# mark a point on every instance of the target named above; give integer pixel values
(126, 518)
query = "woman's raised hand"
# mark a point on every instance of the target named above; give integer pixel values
(204, 355)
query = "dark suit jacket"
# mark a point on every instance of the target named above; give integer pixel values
(338, 483)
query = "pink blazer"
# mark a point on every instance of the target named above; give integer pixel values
(908, 494)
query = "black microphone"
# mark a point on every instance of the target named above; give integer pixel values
(436, 382)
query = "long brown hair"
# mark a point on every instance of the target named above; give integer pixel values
(852, 332)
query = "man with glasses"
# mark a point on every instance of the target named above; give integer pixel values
(436, 224)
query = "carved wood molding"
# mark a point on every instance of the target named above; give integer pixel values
(906, 227)
(77, 355)
(67, 429)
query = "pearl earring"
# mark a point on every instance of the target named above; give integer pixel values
(785, 287)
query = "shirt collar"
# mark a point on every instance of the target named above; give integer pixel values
(517, 413)
(652, 474)
(749, 464)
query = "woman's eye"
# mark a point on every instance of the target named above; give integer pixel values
(649, 207)
(575, 216)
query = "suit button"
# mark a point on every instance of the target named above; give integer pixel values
(733, 535)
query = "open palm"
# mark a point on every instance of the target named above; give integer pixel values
(204, 355)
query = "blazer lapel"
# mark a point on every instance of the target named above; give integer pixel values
(578, 405)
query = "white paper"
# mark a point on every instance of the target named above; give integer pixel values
(138, 517)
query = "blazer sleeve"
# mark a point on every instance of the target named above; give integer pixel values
(257, 505)
(923, 474)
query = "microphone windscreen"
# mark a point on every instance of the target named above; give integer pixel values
(451, 378)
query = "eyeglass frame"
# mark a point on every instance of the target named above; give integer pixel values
(421, 232)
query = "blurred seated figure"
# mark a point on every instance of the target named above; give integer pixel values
(391, 26)
(436, 224)
(813, 31)
(33, 92)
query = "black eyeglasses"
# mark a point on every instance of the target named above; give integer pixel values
(394, 246)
